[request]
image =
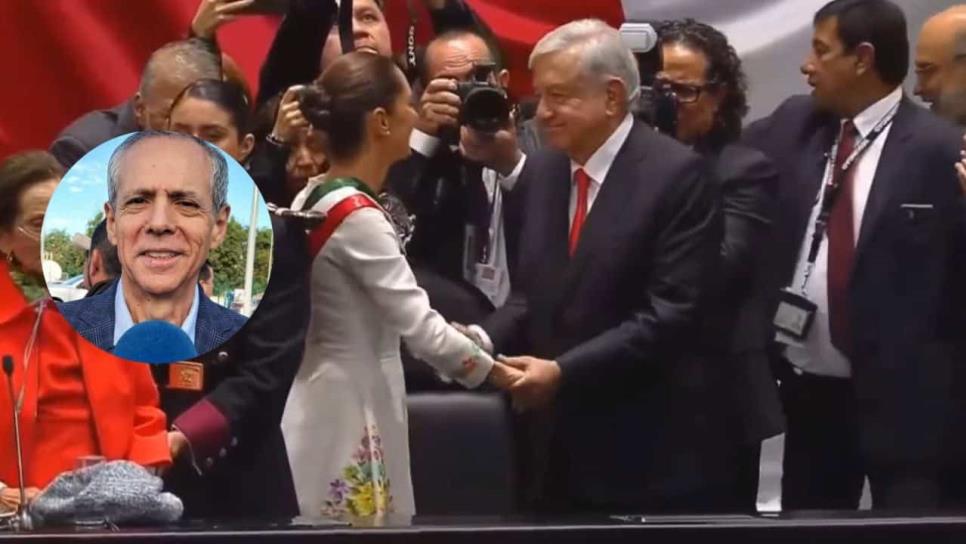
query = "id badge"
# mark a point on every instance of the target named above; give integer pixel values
(186, 376)
(795, 314)
(487, 279)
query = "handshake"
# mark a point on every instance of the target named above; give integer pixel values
(531, 382)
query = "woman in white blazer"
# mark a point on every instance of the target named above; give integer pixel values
(345, 420)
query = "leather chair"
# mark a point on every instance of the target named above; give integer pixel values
(461, 450)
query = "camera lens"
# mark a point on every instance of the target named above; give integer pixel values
(485, 108)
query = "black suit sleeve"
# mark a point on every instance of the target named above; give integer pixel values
(687, 247)
(748, 184)
(266, 355)
(405, 181)
(267, 168)
(297, 48)
(68, 150)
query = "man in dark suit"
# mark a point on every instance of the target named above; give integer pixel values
(167, 209)
(170, 69)
(459, 186)
(230, 458)
(704, 72)
(458, 183)
(621, 234)
(868, 390)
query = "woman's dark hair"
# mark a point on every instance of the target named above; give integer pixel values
(724, 72)
(228, 95)
(338, 102)
(17, 174)
(877, 22)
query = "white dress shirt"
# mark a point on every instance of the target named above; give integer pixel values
(123, 320)
(816, 354)
(598, 165)
(496, 289)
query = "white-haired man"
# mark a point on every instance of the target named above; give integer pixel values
(621, 234)
(166, 211)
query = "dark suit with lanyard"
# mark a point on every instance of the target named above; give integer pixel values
(869, 323)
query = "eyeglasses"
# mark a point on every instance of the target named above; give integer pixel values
(684, 93)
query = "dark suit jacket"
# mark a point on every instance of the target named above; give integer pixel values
(736, 327)
(628, 420)
(907, 294)
(94, 319)
(233, 424)
(91, 130)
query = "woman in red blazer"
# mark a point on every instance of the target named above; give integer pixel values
(75, 400)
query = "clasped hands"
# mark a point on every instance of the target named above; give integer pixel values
(532, 382)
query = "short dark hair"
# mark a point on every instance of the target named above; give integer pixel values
(227, 95)
(108, 251)
(877, 22)
(18, 173)
(338, 102)
(496, 54)
(724, 71)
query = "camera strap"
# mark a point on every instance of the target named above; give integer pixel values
(345, 26)
(411, 68)
(832, 187)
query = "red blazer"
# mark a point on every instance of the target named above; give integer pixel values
(122, 396)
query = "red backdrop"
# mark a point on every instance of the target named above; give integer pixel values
(62, 58)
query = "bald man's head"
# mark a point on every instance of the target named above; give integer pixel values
(940, 58)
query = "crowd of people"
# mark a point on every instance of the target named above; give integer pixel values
(654, 305)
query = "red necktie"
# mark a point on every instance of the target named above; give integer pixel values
(841, 245)
(582, 180)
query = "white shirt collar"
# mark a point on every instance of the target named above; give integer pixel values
(600, 162)
(870, 117)
(123, 320)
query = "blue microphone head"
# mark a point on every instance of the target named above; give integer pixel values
(156, 342)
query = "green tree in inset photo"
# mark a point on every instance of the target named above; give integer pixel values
(228, 260)
(59, 248)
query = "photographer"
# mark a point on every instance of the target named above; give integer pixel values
(703, 74)
(459, 181)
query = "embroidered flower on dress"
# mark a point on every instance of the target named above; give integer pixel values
(363, 489)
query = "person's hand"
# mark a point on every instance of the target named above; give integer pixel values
(439, 106)
(498, 151)
(469, 333)
(539, 384)
(289, 121)
(212, 14)
(503, 376)
(177, 442)
(10, 497)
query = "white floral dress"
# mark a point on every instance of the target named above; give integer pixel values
(345, 421)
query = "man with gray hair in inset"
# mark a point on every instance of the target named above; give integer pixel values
(167, 72)
(167, 209)
(941, 64)
(622, 234)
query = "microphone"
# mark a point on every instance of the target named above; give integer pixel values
(155, 342)
(20, 521)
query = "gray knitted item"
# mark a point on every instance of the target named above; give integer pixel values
(121, 492)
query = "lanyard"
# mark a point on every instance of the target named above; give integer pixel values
(27, 352)
(832, 186)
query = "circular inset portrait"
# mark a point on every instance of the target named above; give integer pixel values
(156, 246)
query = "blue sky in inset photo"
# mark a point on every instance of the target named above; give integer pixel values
(83, 191)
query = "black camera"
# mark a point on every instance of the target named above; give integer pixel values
(656, 104)
(485, 105)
